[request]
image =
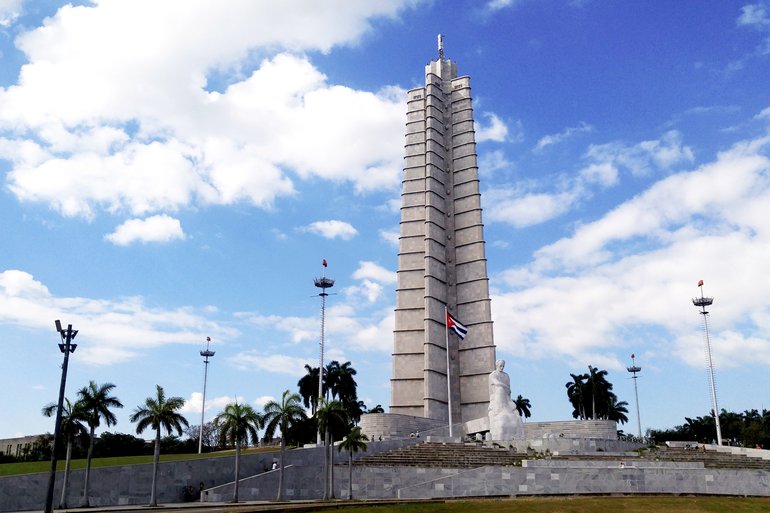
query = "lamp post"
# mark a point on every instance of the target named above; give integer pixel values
(322, 283)
(634, 369)
(66, 346)
(205, 354)
(702, 302)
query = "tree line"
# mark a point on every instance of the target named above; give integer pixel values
(748, 429)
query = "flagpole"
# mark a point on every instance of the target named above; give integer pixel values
(448, 383)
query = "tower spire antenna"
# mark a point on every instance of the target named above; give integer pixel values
(441, 46)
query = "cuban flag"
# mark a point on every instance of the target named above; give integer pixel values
(456, 326)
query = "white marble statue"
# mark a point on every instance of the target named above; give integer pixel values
(504, 419)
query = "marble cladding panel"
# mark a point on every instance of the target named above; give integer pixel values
(407, 342)
(417, 170)
(461, 82)
(434, 231)
(436, 146)
(463, 150)
(413, 186)
(473, 291)
(479, 361)
(411, 261)
(470, 271)
(414, 298)
(463, 126)
(410, 319)
(469, 235)
(435, 289)
(461, 105)
(435, 160)
(414, 199)
(436, 269)
(465, 189)
(412, 229)
(469, 252)
(435, 409)
(415, 116)
(433, 200)
(436, 184)
(462, 138)
(407, 392)
(472, 411)
(432, 111)
(408, 366)
(466, 174)
(476, 312)
(411, 244)
(414, 149)
(435, 374)
(435, 249)
(434, 311)
(435, 124)
(434, 101)
(467, 204)
(467, 218)
(410, 279)
(415, 138)
(475, 389)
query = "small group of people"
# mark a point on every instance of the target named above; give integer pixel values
(414, 434)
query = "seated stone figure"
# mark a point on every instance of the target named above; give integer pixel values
(504, 419)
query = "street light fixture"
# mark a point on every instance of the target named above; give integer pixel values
(634, 369)
(66, 346)
(205, 354)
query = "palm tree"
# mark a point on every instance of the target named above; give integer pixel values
(71, 426)
(159, 412)
(238, 422)
(576, 392)
(376, 409)
(523, 405)
(354, 442)
(331, 416)
(96, 402)
(308, 388)
(616, 410)
(599, 388)
(283, 415)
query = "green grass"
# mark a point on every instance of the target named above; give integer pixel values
(636, 504)
(32, 467)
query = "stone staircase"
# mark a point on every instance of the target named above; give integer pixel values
(443, 455)
(469, 455)
(710, 458)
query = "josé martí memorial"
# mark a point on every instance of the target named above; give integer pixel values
(452, 429)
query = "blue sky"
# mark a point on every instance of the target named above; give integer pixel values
(178, 170)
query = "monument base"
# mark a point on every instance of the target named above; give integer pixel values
(595, 429)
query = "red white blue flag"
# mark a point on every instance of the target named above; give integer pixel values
(456, 326)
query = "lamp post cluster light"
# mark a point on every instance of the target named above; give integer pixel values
(206, 355)
(66, 346)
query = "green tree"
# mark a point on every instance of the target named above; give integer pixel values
(376, 409)
(158, 412)
(308, 388)
(523, 405)
(332, 416)
(238, 423)
(96, 404)
(72, 419)
(282, 416)
(576, 392)
(354, 442)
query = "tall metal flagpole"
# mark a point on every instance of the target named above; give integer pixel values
(634, 369)
(448, 382)
(703, 302)
(205, 355)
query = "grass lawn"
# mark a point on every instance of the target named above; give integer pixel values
(32, 467)
(647, 504)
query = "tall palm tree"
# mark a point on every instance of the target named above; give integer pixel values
(523, 405)
(238, 423)
(354, 442)
(282, 416)
(599, 388)
(616, 410)
(332, 416)
(331, 380)
(576, 392)
(308, 388)
(71, 426)
(159, 412)
(97, 403)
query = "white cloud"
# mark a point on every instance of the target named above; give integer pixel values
(492, 161)
(124, 328)
(521, 208)
(390, 236)
(195, 402)
(568, 132)
(332, 229)
(757, 15)
(9, 11)
(101, 119)
(160, 228)
(625, 280)
(642, 158)
(497, 130)
(272, 363)
(375, 272)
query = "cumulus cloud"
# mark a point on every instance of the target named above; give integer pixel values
(160, 228)
(375, 272)
(124, 327)
(272, 363)
(101, 120)
(496, 130)
(332, 229)
(520, 208)
(588, 296)
(9, 11)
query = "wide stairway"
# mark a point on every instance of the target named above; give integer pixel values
(443, 455)
(462, 455)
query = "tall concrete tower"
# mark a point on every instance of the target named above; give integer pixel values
(441, 259)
